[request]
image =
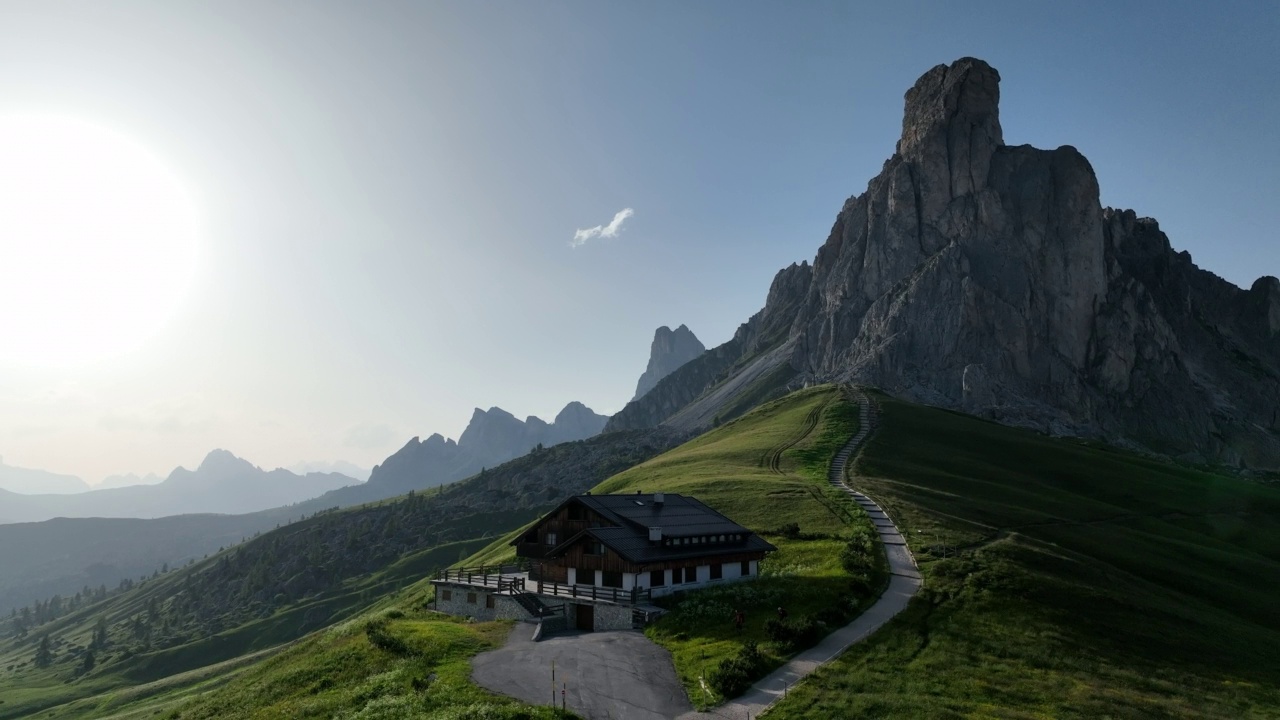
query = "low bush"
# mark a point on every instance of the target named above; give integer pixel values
(734, 675)
(376, 631)
(795, 633)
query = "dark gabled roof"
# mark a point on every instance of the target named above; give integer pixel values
(636, 548)
(678, 516)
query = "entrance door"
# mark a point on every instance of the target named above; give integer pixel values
(586, 617)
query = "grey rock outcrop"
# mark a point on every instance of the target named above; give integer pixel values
(989, 278)
(670, 350)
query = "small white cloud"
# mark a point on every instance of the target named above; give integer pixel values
(580, 237)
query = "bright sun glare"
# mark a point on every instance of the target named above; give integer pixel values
(97, 242)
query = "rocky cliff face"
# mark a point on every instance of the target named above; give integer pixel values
(988, 278)
(670, 349)
(491, 438)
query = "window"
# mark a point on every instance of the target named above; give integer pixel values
(488, 601)
(471, 598)
(586, 577)
(717, 571)
(551, 539)
(594, 547)
(446, 595)
(746, 568)
(612, 579)
(657, 578)
(577, 512)
(691, 574)
(677, 576)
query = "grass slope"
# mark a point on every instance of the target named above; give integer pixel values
(1079, 581)
(766, 470)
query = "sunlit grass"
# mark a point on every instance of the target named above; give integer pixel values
(1096, 583)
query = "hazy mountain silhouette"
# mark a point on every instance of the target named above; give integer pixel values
(493, 437)
(669, 351)
(223, 483)
(342, 467)
(31, 481)
(128, 480)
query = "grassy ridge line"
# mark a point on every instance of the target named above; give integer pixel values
(1097, 584)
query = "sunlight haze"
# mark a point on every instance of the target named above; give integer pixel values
(308, 232)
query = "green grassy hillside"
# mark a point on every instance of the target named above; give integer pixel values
(1063, 579)
(181, 630)
(766, 470)
(1079, 581)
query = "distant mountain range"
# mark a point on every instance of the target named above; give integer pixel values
(223, 483)
(491, 438)
(127, 480)
(26, 480)
(342, 467)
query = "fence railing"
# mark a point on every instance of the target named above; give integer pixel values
(503, 578)
(634, 596)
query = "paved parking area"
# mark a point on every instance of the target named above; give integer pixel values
(618, 675)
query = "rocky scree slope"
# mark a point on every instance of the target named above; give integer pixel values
(988, 278)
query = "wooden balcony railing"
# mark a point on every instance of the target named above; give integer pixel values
(507, 578)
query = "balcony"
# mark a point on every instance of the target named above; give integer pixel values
(510, 579)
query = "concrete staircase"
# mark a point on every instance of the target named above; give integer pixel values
(901, 561)
(535, 606)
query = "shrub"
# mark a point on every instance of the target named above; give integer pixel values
(796, 633)
(376, 631)
(858, 556)
(734, 675)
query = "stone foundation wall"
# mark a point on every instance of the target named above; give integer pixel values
(459, 602)
(504, 607)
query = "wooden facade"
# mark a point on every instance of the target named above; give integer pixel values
(587, 555)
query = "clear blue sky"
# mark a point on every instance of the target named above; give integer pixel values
(389, 190)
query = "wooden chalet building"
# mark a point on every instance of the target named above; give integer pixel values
(659, 542)
(597, 561)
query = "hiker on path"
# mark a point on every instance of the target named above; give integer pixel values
(739, 619)
(782, 614)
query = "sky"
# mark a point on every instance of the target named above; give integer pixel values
(404, 211)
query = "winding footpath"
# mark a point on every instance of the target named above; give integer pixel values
(904, 582)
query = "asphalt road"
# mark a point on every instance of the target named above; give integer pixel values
(618, 675)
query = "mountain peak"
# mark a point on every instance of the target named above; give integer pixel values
(989, 278)
(951, 123)
(219, 460)
(670, 349)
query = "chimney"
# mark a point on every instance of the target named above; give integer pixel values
(655, 534)
(658, 499)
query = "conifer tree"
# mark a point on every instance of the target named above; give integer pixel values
(44, 652)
